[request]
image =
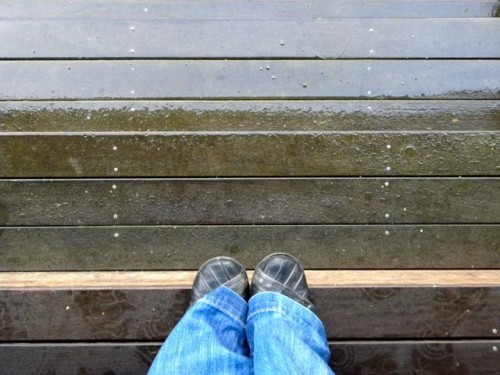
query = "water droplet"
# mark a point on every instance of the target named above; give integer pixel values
(132, 50)
(282, 43)
(113, 187)
(495, 348)
(67, 308)
(494, 330)
(421, 231)
(132, 28)
(115, 169)
(304, 85)
(371, 51)
(261, 68)
(386, 183)
(115, 216)
(132, 91)
(388, 169)
(268, 67)
(115, 148)
(386, 216)
(370, 107)
(402, 82)
(404, 209)
(369, 92)
(370, 30)
(413, 36)
(369, 68)
(132, 109)
(387, 232)
(388, 146)
(116, 235)
(466, 10)
(88, 117)
(132, 68)
(146, 9)
(273, 77)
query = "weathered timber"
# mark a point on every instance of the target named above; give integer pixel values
(236, 116)
(249, 10)
(195, 79)
(134, 358)
(249, 201)
(184, 247)
(248, 154)
(118, 314)
(325, 38)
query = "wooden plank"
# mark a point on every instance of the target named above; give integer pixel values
(401, 357)
(334, 38)
(182, 247)
(131, 313)
(249, 201)
(241, 115)
(246, 154)
(195, 79)
(248, 10)
(182, 279)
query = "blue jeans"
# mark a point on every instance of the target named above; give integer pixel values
(223, 334)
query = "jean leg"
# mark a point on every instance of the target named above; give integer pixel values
(209, 339)
(285, 338)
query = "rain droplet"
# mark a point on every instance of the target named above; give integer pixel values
(402, 83)
(132, 50)
(268, 67)
(304, 85)
(115, 169)
(282, 43)
(386, 216)
(495, 348)
(113, 187)
(132, 28)
(115, 216)
(371, 51)
(132, 109)
(494, 330)
(67, 308)
(387, 232)
(386, 183)
(116, 235)
(388, 146)
(115, 148)
(369, 68)
(132, 91)
(369, 92)
(273, 77)
(146, 9)
(413, 36)
(370, 30)
(388, 168)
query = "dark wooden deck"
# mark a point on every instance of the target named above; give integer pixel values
(144, 138)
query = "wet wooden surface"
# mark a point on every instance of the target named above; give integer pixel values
(228, 79)
(388, 357)
(152, 136)
(384, 246)
(116, 314)
(249, 201)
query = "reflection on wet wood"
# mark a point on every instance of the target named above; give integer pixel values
(256, 115)
(184, 247)
(249, 201)
(217, 9)
(324, 38)
(393, 358)
(150, 314)
(252, 79)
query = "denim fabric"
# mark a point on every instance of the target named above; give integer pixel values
(211, 338)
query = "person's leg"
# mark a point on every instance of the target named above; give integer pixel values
(285, 336)
(210, 338)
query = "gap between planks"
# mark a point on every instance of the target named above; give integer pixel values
(176, 279)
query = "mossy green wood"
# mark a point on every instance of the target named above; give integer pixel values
(235, 154)
(244, 116)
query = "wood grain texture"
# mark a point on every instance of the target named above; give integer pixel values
(251, 79)
(223, 9)
(325, 38)
(393, 358)
(103, 313)
(255, 115)
(249, 201)
(249, 154)
(183, 247)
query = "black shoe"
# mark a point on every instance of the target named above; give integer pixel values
(220, 271)
(282, 273)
